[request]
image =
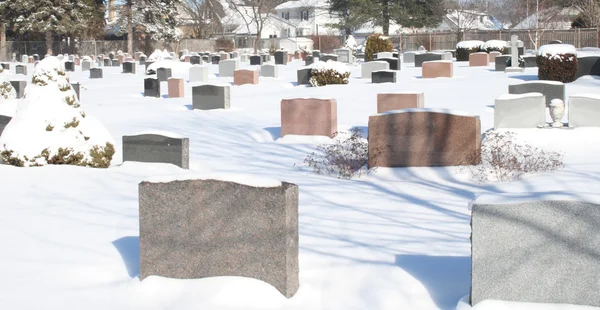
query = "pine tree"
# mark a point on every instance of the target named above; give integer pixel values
(408, 13)
(351, 14)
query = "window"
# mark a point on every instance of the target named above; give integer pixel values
(287, 15)
(304, 15)
(282, 15)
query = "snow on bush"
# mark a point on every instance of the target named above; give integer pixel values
(351, 43)
(495, 46)
(329, 73)
(7, 91)
(557, 62)
(504, 159)
(159, 55)
(552, 50)
(49, 126)
(346, 157)
(466, 48)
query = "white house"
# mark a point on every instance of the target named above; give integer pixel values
(309, 17)
(468, 20)
(555, 18)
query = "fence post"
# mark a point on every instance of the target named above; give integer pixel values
(430, 41)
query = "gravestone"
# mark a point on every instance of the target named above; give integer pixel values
(206, 59)
(4, 120)
(129, 67)
(436, 69)
(142, 60)
(209, 97)
(116, 63)
(245, 76)
(327, 57)
(308, 60)
(198, 74)
(36, 57)
(244, 58)
(148, 64)
(367, 68)
(255, 60)
(309, 116)
(76, 87)
(227, 67)
(316, 54)
(19, 87)
(195, 60)
(550, 89)
(198, 228)
(234, 54)
(163, 74)
(393, 62)
(344, 55)
(479, 59)
(281, 58)
(5, 66)
(304, 75)
(215, 59)
(493, 55)
(535, 248)
(409, 57)
(224, 56)
(530, 61)
(21, 69)
(96, 73)
(587, 65)
(269, 70)
(383, 76)
(265, 57)
(111, 55)
(151, 87)
(25, 59)
(400, 101)
(421, 58)
(501, 62)
(520, 111)
(514, 56)
(69, 66)
(151, 148)
(31, 59)
(584, 110)
(384, 55)
(423, 138)
(86, 65)
(107, 62)
(175, 88)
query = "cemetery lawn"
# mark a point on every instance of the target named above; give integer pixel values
(394, 239)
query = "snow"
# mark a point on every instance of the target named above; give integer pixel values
(244, 179)
(177, 67)
(159, 55)
(590, 96)
(158, 132)
(470, 44)
(543, 82)
(506, 305)
(555, 49)
(397, 238)
(498, 44)
(447, 111)
(529, 197)
(330, 65)
(518, 96)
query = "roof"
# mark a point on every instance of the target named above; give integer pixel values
(473, 20)
(302, 4)
(563, 20)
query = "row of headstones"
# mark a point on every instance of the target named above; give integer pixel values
(526, 104)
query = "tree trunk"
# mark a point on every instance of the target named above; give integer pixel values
(3, 54)
(49, 40)
(257, 42)
(385, 22)
(129, 35)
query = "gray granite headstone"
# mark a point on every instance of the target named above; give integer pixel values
(228, 66)
(76, 87)
(198, 74)
(107, 62)
(316, 54)
(366, 68)
(409, 57)
(501, 61)
(86, 65)
(520, 111)
(255, 60)
(530, 61)
(21, 69)
(151, 87)
(142, 60)
(36, 57)
(326, 57)
(344, 55)
(215, 59)
(195, 60)
(269, 70)
(147, 64)
(550, 89)
(536, 250)
(69, 66)
(588, 65)
(116, 63)
(25, 59)
(19, 87)
(281, 57)
(265, 57)
(129, 67)
(421, 58)
(151, 148)
(206, 59)
(210, 228)
(383, 76)
(393, 62)
(96, 73)
(209, 97)
(5, 66)
(4, 120)
(163, 74)
(584, 110)
(308, 60)
(304, 75)
(111, 56)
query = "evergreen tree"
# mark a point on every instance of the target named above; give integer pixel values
(351, 14)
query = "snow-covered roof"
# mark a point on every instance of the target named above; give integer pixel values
(555, 18)
(302, 4)
(473, 20)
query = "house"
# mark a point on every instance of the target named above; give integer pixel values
(468, 20)
(555, 18)
(308, 17)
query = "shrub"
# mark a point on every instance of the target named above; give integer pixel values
(466, 48)
(7, 91)
(504, 159)
(346, 157)
(495, 46)
(521, 62)
(376, 44)
(559, 67)
(328, 73)
(224, 44)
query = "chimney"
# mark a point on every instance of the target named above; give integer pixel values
(111, 10)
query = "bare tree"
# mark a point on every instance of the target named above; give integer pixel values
(255, 14)
(590, 12)
(206, 17)
(544, 16)
(464, 15)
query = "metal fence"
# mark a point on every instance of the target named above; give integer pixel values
(447, 40)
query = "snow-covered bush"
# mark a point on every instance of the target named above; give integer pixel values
(466, 48)
(557, 62)
(7, 91)
(329, 73)
(159, 55)
(495, 46)
(351, 43)
(346, 157)
(49, 126)
(377, 43)
(503, 158)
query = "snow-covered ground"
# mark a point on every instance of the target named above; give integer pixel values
(394, 239)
